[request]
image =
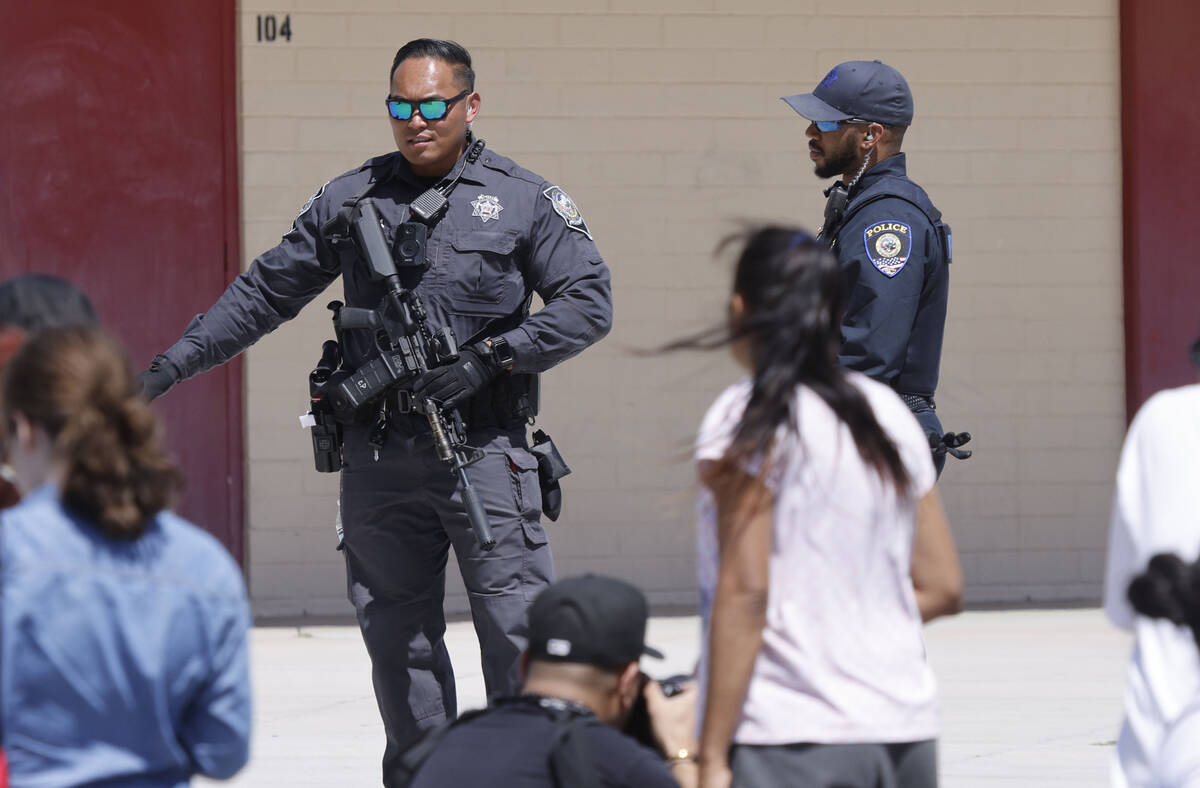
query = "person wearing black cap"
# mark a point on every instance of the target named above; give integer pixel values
(586, 635)
(28, 304)
(890, 240)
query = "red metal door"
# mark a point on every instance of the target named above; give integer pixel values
(118, 171)
(1159, 113)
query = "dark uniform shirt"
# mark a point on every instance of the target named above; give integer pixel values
(510, 745)
(507, 233)
(896, 275)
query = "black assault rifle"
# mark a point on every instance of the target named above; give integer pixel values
(408, 347)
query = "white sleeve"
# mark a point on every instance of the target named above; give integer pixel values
(721, 421)
(1124, 555)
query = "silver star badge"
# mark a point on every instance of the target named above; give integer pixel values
(486, 207)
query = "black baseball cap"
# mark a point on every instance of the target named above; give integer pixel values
(32, 302)
(865, 89)
(593, 620)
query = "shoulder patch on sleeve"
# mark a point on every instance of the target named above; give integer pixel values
(565, 207)
(888, 243)
(311, 200)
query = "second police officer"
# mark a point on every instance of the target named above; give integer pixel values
(505, 235)
(891, 242)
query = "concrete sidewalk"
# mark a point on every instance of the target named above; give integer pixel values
(1030, 697)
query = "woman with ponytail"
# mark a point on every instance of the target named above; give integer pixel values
(822, 546)
(122, 627)
(1156, 509)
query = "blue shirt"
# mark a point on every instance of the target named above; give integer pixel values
(121, 662)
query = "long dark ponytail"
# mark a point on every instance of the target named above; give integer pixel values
(793, 296)
(76, 384)
(1170, 589)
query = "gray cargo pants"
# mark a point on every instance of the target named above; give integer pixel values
(400, 516)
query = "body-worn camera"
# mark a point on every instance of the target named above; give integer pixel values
(410, 245)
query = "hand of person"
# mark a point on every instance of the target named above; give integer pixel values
(672, 720)
(158, 378)
(455, 382)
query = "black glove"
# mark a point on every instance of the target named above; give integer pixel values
(949, 444)
(455, 382)
(158, 378)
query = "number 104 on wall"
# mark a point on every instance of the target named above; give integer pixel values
(270, 28)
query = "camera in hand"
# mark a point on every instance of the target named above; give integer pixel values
(638, 725)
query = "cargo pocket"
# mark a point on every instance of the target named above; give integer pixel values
(527, 495)
(483, 272)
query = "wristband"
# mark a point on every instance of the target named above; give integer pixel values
(682, 755)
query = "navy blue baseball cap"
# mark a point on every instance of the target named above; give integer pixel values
(864, 89)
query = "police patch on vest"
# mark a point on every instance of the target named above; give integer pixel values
(888, 246)
(565, 207)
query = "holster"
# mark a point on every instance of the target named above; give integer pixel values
(551, 468)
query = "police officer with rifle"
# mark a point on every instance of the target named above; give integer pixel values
(423, 400)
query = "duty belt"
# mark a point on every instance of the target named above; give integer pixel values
(918, 402)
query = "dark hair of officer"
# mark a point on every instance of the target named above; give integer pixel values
(75, 383)
(446, 51)
(791, 291)
(1170, 589)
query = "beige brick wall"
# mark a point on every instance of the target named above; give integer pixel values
(662, 119)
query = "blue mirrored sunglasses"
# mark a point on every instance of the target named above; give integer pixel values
(826, 126)
(430, 109)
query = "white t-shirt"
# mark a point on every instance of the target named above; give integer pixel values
(843, 658)
(1156, 509)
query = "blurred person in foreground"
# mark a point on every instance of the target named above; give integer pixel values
(123, 627)
(1169, 592)
(582, 681)
(823, 546)
(29, 303)
(1155, 510)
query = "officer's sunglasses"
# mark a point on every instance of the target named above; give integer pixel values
(826, 126)
(430, 109)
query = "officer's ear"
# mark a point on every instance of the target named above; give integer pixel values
(473, 104)
(873, 135)
(629, 684)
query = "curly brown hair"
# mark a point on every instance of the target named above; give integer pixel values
(76, 384)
